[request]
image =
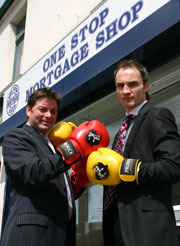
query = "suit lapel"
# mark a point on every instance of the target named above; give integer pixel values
(60, 181)
(38, 137)
(135, 128)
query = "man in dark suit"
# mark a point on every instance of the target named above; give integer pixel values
(39, 213)
(140, 212)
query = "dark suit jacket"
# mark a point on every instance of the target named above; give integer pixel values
(39, 209)
(143, 214)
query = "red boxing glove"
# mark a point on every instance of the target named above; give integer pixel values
(79, 183)
(79, 179)
(80, 166)
(86, 138)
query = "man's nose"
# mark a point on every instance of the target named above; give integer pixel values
(48, 114)
(126, 89)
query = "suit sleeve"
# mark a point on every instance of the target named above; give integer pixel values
(26, 160)
(164, 142)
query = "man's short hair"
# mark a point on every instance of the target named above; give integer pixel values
(44, 92)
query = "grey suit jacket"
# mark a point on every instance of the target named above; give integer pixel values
(145, 211)
(39, 209)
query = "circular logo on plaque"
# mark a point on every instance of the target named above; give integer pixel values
(12, 101)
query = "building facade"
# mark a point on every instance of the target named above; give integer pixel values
(74, 47)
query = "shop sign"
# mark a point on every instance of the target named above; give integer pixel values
(111, 21)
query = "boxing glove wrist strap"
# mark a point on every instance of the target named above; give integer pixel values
(69, 152)
(129, 170)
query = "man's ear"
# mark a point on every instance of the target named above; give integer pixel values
(28, 109)
(147, 86)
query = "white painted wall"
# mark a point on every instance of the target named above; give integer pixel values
(47, 23)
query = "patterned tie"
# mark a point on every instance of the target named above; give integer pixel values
(119, 147)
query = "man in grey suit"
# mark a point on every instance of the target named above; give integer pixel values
(140, 212)
(39, 213)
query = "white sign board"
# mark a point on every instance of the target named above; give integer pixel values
(107, 24)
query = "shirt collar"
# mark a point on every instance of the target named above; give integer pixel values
(44, 135)
(136, 110)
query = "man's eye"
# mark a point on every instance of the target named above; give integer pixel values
(133, 84)
(53, 112)
(42, 110)
(119, 86)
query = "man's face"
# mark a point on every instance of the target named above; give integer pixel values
(130, 88)
(43, 115)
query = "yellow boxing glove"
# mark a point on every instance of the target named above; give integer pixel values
(61, 132)
(106, 167)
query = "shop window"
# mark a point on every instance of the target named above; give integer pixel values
(19, 49)
(89, 217)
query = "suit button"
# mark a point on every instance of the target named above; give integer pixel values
(115, 196)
